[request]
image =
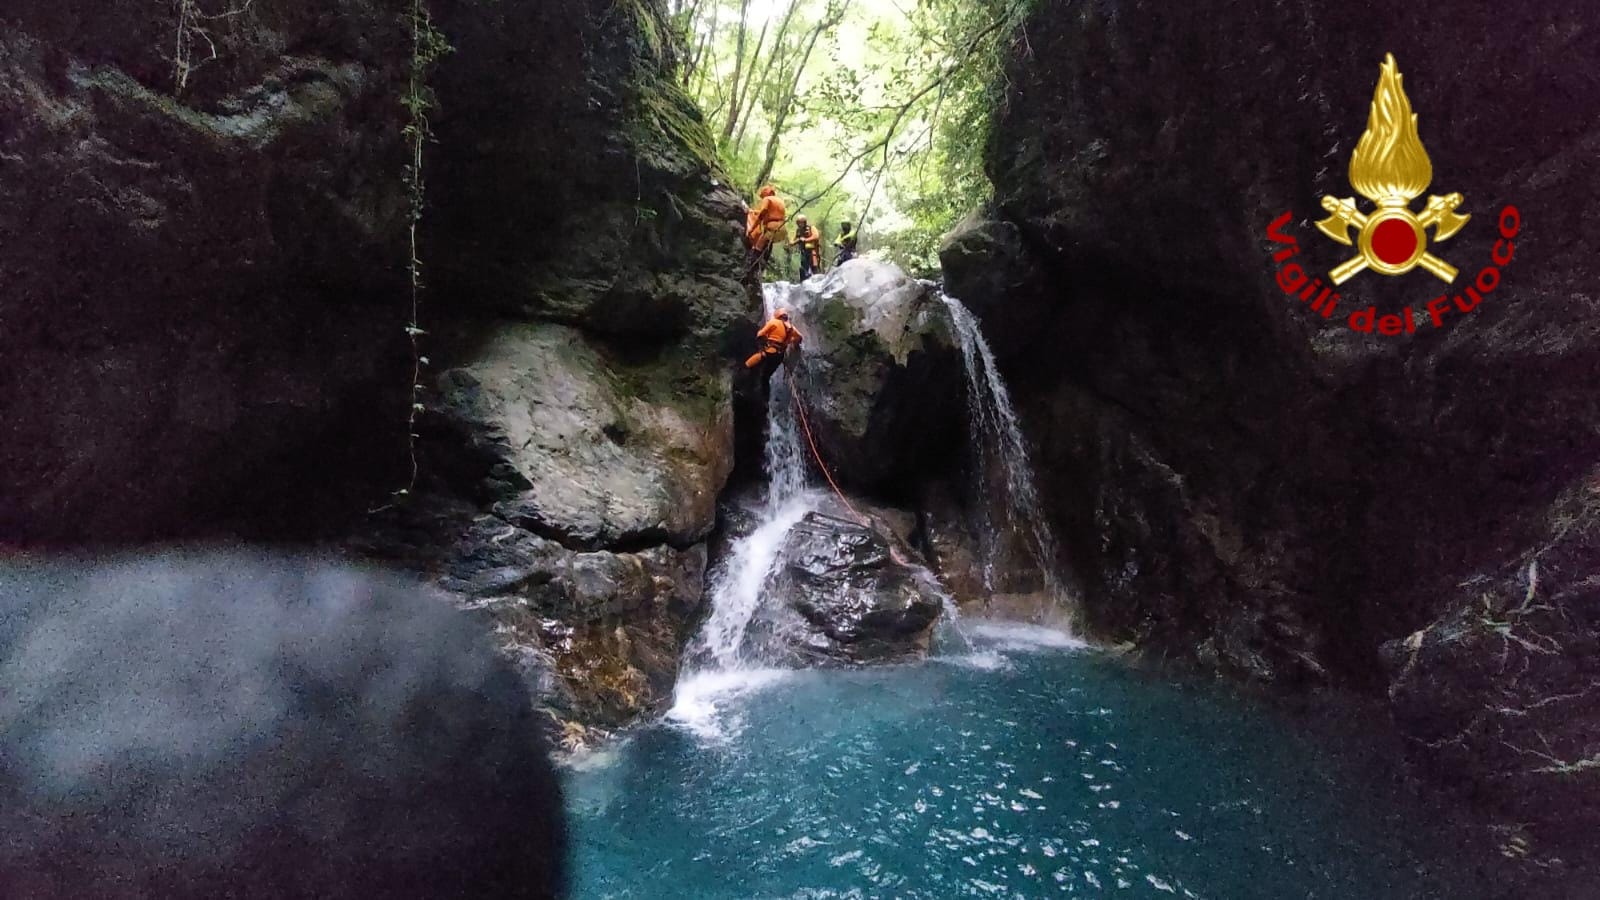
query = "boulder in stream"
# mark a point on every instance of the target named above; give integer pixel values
(854, 598)
(596, 635)
(881, 372)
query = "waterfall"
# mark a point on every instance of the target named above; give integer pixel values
(726, 654)
(997, 441)
(736, 585)
(785, 454)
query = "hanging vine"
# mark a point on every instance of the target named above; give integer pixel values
(428, 45)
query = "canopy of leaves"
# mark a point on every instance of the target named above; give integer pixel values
(868, 111)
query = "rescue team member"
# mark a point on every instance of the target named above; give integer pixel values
(765, 224)
(810, 241)
(846, 242)
(776, 337)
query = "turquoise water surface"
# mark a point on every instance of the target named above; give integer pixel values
(1018, 767)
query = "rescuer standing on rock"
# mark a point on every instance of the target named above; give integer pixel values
(810, 241)
(776, 337)
(846, 243)
(765, 223)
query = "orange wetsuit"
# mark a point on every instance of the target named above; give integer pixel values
(776, 337)
(766, 220)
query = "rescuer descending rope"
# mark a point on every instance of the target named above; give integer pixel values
(776, 337)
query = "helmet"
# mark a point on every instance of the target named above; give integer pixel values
(768, 191)
(782, 314)
(801, 218)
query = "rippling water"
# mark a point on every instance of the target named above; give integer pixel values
(1020, 768)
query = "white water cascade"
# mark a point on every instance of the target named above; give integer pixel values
(724, 661)
(736, 585)
(998, 445)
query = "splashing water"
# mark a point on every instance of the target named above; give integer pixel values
(736, 591)
(785, 455)
(736, 585)
(996, 437)
(727, 661)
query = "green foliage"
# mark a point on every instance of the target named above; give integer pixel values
(885, 126)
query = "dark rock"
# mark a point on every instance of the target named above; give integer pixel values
(985, 257)
(855, 601)
(597, 635)
(206, 285)
(595, 197)
(880, 375)
(207, 291)
(1500, 696)
(1239, 481)
(953, 550)
(202, 288)
(197, 725)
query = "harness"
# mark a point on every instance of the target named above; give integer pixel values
(777, 346)
(811, 243)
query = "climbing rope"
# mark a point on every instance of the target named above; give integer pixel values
(811, 441)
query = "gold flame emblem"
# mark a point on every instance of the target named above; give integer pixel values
(1391, 168)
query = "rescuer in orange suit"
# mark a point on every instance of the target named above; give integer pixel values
(776, 337)
(810, 241)
(765, 224)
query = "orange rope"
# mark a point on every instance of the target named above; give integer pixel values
(805, 425)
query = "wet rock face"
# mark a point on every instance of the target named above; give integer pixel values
(1501, 694)
(605, 209)
(196, 285)
(206, 285)
(856, 603)
(1237, 480)
(597, 636)
(880, 374)
(206, 294)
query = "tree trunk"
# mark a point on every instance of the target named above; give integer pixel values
(687, 15)
(773, 67)
(780, 116)
(738, 57)
(735, 113)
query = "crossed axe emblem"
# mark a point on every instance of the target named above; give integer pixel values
(1392, 240)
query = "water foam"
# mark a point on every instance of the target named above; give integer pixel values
(704, 704)
(1022, 636)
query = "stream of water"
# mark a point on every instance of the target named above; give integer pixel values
(1015, 762)
(720, 657)
(998, 446)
